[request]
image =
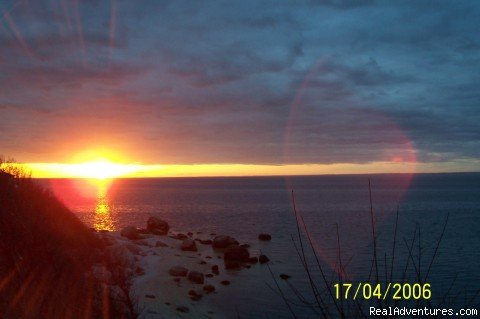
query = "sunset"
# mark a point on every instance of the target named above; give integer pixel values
(239, 159)
(272, 88)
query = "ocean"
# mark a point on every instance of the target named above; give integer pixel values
(336, 212)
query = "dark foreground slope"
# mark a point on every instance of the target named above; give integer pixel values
(45, 257)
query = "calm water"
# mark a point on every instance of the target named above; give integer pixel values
(244, 207)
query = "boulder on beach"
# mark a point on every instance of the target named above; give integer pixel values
(196, 277)
(223, 241)
(130, 232)
(264, 237)
(178, 236)
(236, 253)
(204, 242)
(209, 288)
(160, 244)
(231, 264)
(263, 259)
(143, 242)
(157, 226)
(183, 309)
(133, 248)
(139, 271)
(215, 270)
(188, 245)
(178, 271)
(195, 296)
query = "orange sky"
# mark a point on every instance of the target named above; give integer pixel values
(107, 170)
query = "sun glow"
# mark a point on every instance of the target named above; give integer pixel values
(99, 169)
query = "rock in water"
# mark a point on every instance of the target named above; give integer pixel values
(264, 237)
(263, 259)
(223, 241)
(285, 276)
(157, 226)
(178, 271)
(195, 277)
(189, 245)
(130, 232)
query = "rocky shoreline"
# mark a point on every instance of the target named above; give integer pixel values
(157, 272)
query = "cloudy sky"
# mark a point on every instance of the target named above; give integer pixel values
(244, 82)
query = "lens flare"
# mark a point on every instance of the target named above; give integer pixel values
(330, 124)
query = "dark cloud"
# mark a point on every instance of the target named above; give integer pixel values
(241, 82)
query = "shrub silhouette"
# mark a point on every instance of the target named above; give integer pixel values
(45, 253)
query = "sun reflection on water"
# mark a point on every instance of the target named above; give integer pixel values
(103, 219)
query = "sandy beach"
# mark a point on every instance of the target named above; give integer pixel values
(160, 271)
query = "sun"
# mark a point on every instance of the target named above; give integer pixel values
(99, 169)
(100, 164)
(93, 165)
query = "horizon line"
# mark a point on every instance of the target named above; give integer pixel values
(136, 170)
(251, 176)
